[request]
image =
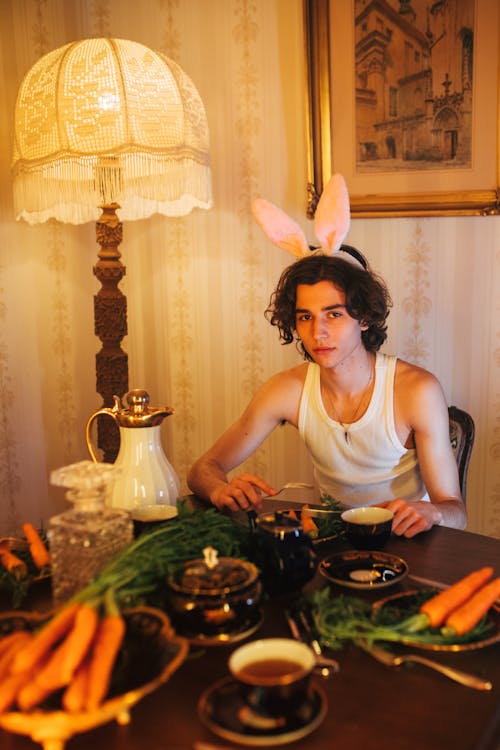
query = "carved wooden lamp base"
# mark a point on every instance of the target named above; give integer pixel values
(110, 319)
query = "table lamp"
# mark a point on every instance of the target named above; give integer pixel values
(101, 125)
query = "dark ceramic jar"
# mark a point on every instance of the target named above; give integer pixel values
(285, 554)
(213, 596)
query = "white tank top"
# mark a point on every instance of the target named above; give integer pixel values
(374, 465)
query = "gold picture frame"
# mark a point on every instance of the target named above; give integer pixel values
(473, 190)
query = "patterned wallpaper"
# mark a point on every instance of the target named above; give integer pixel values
(197, 287)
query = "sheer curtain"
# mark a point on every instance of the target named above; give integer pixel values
(197, 286)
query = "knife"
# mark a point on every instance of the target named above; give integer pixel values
(305, 633)
(428, 582)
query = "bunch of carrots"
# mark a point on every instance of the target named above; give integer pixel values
(459, 608)
(38, 552)
(74, 652)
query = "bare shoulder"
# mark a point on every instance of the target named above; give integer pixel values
(281, 393)
(292, 378)
(410, 377)
(417, 394)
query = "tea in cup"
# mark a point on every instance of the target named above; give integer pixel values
(368, 527)
(274, 676)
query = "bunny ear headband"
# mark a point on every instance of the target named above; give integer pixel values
(331, 223)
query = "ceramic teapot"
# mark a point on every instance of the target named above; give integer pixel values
(146, 483)
(283, 552)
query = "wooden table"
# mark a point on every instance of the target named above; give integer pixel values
(370, 706)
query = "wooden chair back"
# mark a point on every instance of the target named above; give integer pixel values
(462, 432)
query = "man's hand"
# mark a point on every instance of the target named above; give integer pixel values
(410, 518)
(241, 493)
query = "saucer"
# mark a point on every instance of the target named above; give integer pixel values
(222, 709)
(363, 570)
(232, 636)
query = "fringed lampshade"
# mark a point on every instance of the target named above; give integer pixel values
(100, 121)
(109, 124)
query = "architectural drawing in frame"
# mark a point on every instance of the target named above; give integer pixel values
(414, 84)
(403, 100)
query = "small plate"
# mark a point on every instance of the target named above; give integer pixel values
(223, 711)
(221, 639)
(406, 602)
(327, 520)
(363, 570)
(14, 591)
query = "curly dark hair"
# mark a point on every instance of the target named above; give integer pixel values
(367, 298)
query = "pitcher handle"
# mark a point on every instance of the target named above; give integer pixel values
(88, 438)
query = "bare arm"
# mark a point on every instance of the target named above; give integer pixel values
(276, 401)
(422, 407)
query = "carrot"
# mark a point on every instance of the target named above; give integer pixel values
(66, 658)
(108, 640)
(39, 552)
(51, 633)
(440, 606)
(31, 694)
(10, 687)
(12, 563)
(75, 695)
(464, 618)
(308, 524)
(8, 640)
(13, 643)
(20, 687)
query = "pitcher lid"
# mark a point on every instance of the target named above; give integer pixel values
(139, 413)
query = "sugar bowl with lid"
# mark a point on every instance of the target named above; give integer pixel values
(214, 597)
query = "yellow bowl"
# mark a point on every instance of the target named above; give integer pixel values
(150, 653)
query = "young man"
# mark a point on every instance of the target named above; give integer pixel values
(376, 427)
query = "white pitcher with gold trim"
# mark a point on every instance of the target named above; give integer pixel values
(147, 484)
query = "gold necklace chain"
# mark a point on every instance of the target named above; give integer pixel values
(346, 426)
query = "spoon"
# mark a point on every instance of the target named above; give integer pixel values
(391, 660)
(252, 515)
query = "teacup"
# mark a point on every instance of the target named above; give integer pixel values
(274, 677)
(368, 527)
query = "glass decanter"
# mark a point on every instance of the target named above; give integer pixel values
(82, 540)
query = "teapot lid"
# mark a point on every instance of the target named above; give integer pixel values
(139, 413)
(279, 524)
(213, 575)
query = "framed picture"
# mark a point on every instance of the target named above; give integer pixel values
(403, 100)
